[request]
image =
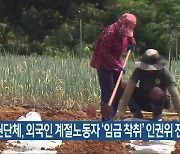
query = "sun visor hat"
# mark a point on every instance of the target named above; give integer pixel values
(128, 24)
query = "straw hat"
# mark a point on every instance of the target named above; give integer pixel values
(151, 60)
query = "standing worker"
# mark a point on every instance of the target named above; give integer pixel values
(151, 94)
(110, 46)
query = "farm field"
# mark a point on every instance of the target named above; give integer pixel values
(47, 81)
(59, 89)
(92, 147)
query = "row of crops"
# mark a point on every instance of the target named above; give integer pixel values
(47, 79)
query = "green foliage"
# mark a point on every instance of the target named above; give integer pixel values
(53, 27)
(9, 42)
(91, 31)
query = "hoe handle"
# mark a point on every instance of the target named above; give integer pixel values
(119, 79)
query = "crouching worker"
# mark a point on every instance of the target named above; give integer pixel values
(151, 95)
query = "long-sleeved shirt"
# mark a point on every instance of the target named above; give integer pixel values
(110, 47)
(162, 79)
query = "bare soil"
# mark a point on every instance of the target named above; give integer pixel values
(90, 147)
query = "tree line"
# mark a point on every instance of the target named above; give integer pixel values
(71, 27)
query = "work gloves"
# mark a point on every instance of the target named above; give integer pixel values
(131, 47)
(122, 69)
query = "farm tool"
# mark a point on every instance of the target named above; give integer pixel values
(107, 109)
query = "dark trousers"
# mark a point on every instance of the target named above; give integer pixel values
(140, 101)
(107, 81)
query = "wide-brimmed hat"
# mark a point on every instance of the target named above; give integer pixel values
(151, 60)
(128, 21)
